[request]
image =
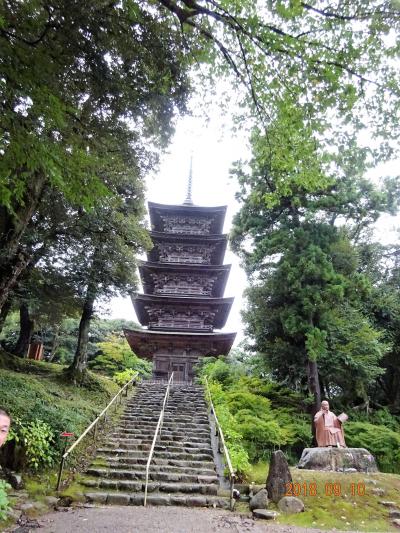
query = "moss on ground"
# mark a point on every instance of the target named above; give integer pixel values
(345, 511)
(38, 390)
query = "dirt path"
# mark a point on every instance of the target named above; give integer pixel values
(158, 520)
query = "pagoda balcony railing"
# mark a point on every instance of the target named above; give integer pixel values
(193, 259)
(198, 291)
(186, 230)
(177, 324)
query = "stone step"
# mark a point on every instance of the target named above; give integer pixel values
(136, 467)
(157, 461)
(126, 498)
(159, 454)
(168, 427)
(182, 440)
(193, 420)
(154, 475)
(160, 446)
(142, 438)
(138, 430)
(172, 424)
(182, 471)
(153, 486)
(183, 419)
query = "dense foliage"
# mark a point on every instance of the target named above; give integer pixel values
(259, 415)
(256, 416)
(60, 338)
(115, 355)
(88, 93)
(4, 501)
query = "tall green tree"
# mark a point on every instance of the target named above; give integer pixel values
(382, 263)
(101, 256)
(305, 301)
(87, 90)
(333, 65)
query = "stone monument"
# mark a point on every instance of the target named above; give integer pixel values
(332, 453)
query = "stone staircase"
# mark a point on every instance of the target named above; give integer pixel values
(182, 471)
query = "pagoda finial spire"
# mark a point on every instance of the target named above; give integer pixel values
(188, 199)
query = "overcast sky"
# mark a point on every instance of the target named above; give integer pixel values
(214, 150)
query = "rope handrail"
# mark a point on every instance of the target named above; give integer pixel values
(220, 433)
(92, 425)
(158, 429)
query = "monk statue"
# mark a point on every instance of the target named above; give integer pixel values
(329, 428)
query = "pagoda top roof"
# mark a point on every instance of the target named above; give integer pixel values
(158, 211)
(187, 207)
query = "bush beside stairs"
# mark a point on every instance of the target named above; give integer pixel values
(182, 471)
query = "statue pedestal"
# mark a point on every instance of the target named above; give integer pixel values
(338, 460)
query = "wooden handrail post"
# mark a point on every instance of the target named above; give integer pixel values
(60, 471)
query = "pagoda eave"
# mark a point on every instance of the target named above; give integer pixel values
(215, 244)
(150, 270)
(147, 343)
(188, 237)
(144, 303)
(156, 212)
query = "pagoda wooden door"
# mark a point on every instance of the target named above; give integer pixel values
(179, 370)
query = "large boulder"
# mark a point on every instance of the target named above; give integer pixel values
(291, 505)
(338, 460)
(259, 500)
(278, 476)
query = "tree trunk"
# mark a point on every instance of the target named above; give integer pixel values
(315, 390)
(27, 326)
(78, 368)
(55, 344)
(4, 312)
(13, 224)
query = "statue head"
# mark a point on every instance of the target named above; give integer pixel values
(325, 405)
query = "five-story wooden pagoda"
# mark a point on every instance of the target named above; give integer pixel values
(183, 283)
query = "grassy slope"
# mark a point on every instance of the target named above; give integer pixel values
(32, 389)
(344, 512)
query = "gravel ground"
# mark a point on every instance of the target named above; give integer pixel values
(157, 520)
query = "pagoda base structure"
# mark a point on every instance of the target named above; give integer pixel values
(177, 352)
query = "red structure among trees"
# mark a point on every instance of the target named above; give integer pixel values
(183, 282)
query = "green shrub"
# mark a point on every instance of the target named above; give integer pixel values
(381, 441)
(233, 440)
(37, 441)
(239, 400)
(122, 378)
(4, 503)
(116, 355)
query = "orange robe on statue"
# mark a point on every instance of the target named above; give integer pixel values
(329, 429)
